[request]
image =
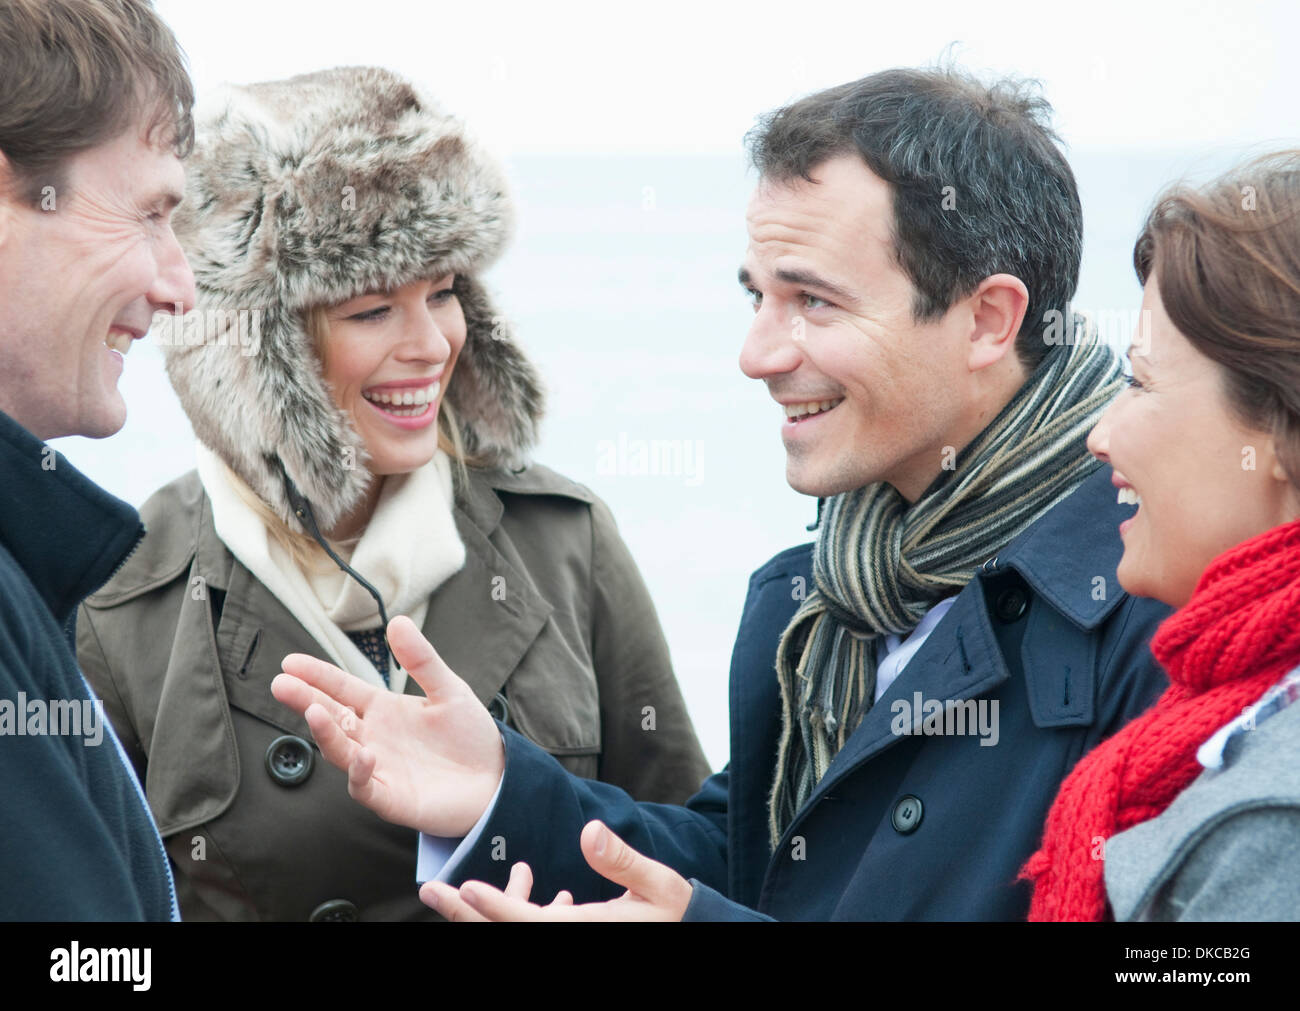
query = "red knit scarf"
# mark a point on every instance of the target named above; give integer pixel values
(1235, 638)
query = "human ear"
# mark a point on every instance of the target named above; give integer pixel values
(997, 309)
(1287, 494)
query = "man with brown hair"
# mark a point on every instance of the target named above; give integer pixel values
(94, 120)
(907, 692)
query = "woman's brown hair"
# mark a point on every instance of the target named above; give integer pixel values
(1226, 258)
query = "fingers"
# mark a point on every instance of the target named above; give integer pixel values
(612, 858)
(339, 685)
(362, 786)
(562, 898)
(520, 885)
(338, 748)
(446, 901)
(494, 904)
(418, 657)
(298, 695)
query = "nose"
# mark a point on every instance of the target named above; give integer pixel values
(425, 340)
(1099, 437)
(772, 346)
(172, 290)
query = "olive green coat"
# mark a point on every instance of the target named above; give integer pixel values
(549, 611)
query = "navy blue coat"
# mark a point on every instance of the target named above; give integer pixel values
(76, 840)
(903, 826)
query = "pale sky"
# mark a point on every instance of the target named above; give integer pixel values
(689, 77)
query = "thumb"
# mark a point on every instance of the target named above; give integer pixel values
(612, 858)
(418, 657)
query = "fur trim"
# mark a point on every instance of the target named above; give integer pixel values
(309, 192)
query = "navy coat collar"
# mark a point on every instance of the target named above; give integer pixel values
(1069, 549)
(66, 533)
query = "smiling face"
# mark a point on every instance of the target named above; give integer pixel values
(81, 278)
(388, 359)
(867, 392)
(1204, 481)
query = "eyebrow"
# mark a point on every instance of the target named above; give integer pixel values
(804, 279)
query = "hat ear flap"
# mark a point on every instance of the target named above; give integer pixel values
(495, 391)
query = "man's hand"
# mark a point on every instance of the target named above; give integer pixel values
(518, 887)
(654, 892)
(431, 763)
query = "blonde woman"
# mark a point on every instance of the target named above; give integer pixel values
(364, 419)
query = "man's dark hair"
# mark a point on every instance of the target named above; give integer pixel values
(76, 73)
(1013, 206)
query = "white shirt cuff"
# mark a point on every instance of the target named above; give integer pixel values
(438, 857)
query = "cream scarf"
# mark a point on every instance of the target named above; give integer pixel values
(409, 548)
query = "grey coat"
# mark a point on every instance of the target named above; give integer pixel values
(1228, 847)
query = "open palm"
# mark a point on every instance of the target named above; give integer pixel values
(430, 763)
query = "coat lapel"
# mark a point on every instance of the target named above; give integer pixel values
(480, 633)
(494, 600)
(960, 660)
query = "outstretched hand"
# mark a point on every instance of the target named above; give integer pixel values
(654, 891)
(431, 763)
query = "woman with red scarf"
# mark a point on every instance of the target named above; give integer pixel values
(1192, 811)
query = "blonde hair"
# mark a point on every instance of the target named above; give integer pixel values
(301, 546)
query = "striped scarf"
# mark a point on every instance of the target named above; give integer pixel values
(879, 563)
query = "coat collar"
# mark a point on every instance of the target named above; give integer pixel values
(184, 527)
(66, 533)
(1069, 549)
(257, 631)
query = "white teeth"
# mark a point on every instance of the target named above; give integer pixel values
(417, 398)
(812, 407)
(1127, 496)
(119, 341)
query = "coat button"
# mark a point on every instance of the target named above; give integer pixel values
(289, 760)
(907, 814)
(499, 708)
(1012, 603)
(334, 911)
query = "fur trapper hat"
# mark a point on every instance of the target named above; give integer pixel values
(309, 192)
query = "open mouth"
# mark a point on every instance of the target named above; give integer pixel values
(796, 413)
(408, 403)
(1127, 495)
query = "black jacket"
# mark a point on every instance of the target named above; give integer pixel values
(76, 840)
(903, 826)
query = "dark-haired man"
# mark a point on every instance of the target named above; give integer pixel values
(908, 692)
(94, 117)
